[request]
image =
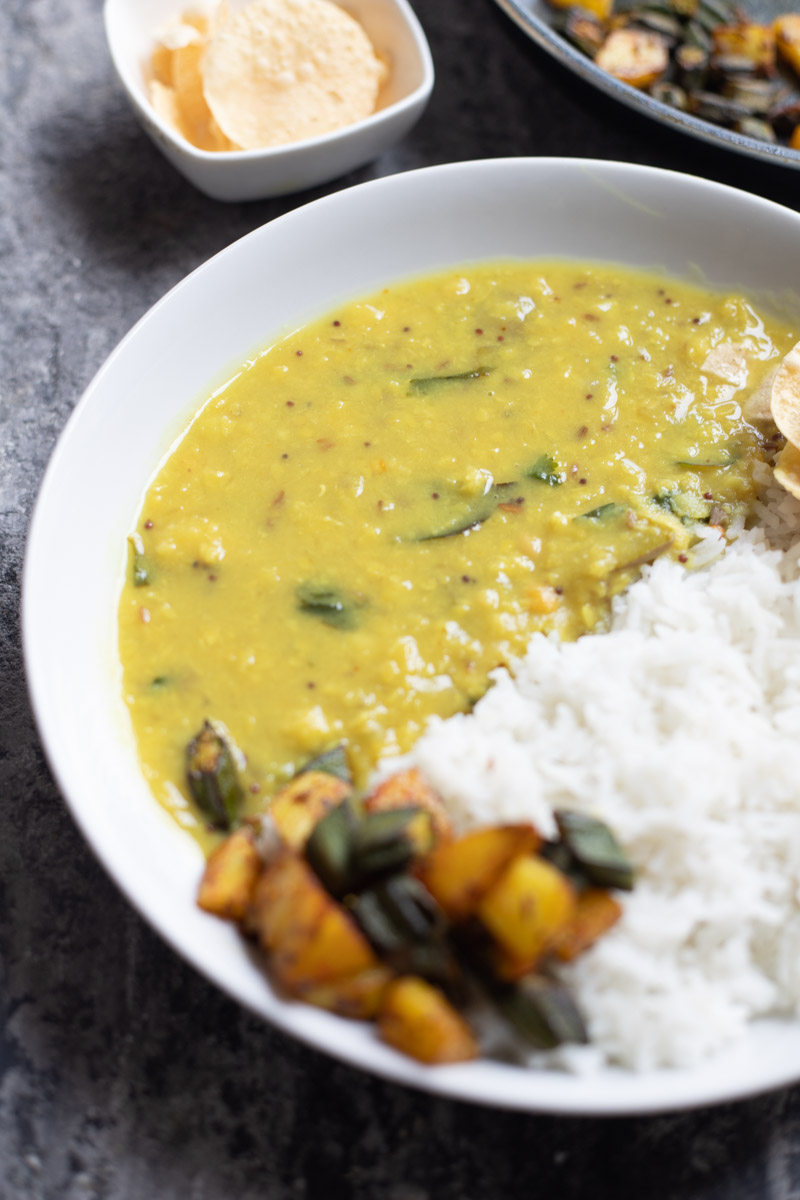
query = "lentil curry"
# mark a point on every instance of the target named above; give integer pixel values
(384, 506)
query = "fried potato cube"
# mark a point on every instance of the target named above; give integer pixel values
(746, 40)
(596, 912)
(787, 39)
(310, 938)
(357, 996)
(230, 876)
(599, 8)
(459, 873)
(297, 808)
(634, 56)
(417, 1018)
(408, 789)
(527, 909)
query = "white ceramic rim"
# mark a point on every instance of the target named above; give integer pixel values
(267, 153)
(768, 1058)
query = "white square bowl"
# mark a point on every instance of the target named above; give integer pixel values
(394, 31)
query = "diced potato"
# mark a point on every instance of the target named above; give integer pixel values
(357, 996)
(528, 908)
(747, 40)
(787, 40)
(297, 807)
(635, 56)
(598, 8)
(310, 938)
(417, 1018)
(408, 788)
(230, 876)
(597, 910)
(459, 873)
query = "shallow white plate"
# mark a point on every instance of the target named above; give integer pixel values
(536, 18)
(277, 278)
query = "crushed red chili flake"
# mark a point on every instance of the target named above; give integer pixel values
(615, 358)
(581, 481)
(380, 504)
(290, 403)
(500, 337)
(212, 579)
(337, 323)
(479, 332)
(590, 317)
(590, 395)
(559, 591)
(467, 579)
(284, 456)
(582, 432)
(682, 558)
(148, 524)
(299, 353)
(254, 788)
(512, 505)
(279, 498)
(708, 495)
(668, 300)
(311, 684)
(695, 320)
(367, 443)
(406, 329)
(434, 495)
(348, 379)
(326, 443)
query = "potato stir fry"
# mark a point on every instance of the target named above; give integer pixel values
(705, 57)
(374, 909)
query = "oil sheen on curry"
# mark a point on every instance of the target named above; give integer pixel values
(384, 506)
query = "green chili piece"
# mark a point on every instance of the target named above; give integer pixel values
(212, 777)
(328, 604)
(141, 572)
(595, 849)
(421, 387)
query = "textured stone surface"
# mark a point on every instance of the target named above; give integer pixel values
(123, 1074)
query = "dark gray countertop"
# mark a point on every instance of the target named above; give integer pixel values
(123, 1074)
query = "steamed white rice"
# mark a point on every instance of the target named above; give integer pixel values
(681, 729)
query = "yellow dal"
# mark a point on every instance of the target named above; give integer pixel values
(327, 467)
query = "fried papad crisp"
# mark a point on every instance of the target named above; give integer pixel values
(787, 469)
(785, 398)
(281, 71)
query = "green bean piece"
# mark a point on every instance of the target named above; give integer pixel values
(383, 843)
(542, 1012)
(595, 849)
(212, 777)
(329, 849)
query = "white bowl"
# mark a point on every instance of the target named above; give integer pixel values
(345, 245)
(255, 174)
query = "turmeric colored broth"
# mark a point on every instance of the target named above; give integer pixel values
(384, 506)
